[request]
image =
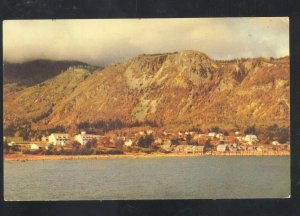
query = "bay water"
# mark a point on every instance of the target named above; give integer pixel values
(203, 177)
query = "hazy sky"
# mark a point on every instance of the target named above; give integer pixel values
(102, 42)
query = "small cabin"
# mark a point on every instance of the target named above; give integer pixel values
(222, 148)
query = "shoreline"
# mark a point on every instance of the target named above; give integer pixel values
(28, 157)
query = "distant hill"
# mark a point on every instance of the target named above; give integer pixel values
(177, 90)
(19, 75)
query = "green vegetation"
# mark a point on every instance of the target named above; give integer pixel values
(281, 134)
(109, 125)
(145, 141)
(251, 130)
(215, 129)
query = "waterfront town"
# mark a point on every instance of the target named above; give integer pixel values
(147, 142)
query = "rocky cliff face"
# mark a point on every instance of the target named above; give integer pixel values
(175, 89)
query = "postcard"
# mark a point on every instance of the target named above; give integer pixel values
(143, 109)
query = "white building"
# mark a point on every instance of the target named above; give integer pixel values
(275, 143)
(45, 138)
(59, 138)
(128, 142)
(250, 139)
(158, 141)
(34, 146)
(198, 136)
(222, 148)
(83, 138)
(212, 134)
(220, 136)
(141, 133)
(149, 132)
(194, 149)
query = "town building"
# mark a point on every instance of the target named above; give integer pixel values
(83, 137)
(179, 148)
(149, 132)
(59, 139)
(199, 149)
(15, 139)
(45, 139)
(212, 134)
(222, 148)
(251, 139)
(24, 145)
(167, 146)
(128, 142)
(220, 136)
(275, 143)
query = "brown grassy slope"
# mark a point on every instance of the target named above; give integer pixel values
(40, 100)
(183, 88)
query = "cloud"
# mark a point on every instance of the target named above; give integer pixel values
(105, 41)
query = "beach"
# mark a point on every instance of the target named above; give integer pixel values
(30, 157)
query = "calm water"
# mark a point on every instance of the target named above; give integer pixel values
(148, 178)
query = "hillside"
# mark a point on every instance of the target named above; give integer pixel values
(180, 89)
(16, 76)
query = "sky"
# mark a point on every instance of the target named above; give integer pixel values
(106, 41)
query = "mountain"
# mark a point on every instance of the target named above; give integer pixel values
(19, 75)
(177, 90)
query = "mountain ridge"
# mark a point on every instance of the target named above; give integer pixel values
(29, 73)
(184, 89)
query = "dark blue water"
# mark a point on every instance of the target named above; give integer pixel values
(148, 178)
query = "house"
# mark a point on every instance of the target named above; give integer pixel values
(189, 149)
(232, 149)
(212, 134)
(251, 139)
(42, 145)
(45, 139)
(167, 142)
(198, 136)
(15, 139)
(59, 139)
(189, 133)
(149, 132)
(33, 146)
(222, 148)
(198, 149)
(158, 141)
(241, 148)
(259, 149)
(128, 142)
(240, 138)
(275, 143)
(25, 145)
(167, 146)
(234, 145)
(179, 148)
(220, 136)
(251, 149)
(83, 138)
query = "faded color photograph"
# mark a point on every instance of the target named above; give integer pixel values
(141, 109)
